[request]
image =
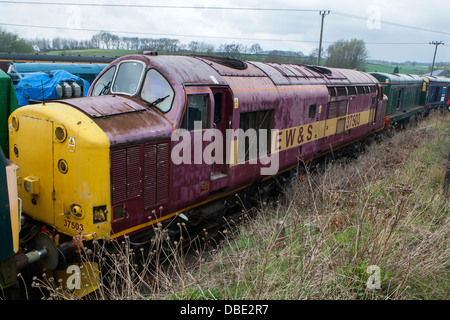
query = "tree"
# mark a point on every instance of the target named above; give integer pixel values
(233, 50)
(105, 40)
(347, 54)
(11, 42)
(255, 48)
(312, 57)
(203, 47)
(96, 40)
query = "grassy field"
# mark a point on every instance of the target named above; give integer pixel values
(401, 68)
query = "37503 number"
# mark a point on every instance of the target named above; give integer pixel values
(73, 225)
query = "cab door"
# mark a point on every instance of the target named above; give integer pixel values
(31, 148)
(207, 116)
(221, 121)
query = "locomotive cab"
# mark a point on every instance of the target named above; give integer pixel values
(87, 165)
(131, 75)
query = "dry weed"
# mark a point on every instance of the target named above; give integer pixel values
(336, 234)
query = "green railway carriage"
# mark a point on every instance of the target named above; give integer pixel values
(9, 223)
(8, 103)
(406, 96)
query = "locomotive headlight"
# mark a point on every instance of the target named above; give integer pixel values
(15, 123)
(62, 166)
(27, 186)
(31, 185)
(60, 133)
(77, 211)
(16, 150)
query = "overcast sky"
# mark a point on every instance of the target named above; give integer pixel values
(394, 30)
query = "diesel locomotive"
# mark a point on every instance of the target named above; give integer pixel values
(108, 165)
(411, 97)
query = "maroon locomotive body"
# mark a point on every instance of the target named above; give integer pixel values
(162, 113)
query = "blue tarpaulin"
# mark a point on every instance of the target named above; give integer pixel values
(42, 85)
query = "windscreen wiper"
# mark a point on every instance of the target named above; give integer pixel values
(159, 100)
(105, 89)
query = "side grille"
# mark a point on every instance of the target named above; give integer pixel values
(134, 175)
(150, 176)
(119, 175)
(141, 171)
(156, 174)
(162, 194)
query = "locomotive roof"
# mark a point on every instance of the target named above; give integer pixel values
(437, 79)
(397, 77)
(291, 74)
(202, 69)
(127, 118)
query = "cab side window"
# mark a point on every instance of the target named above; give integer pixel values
(103, 84)
(157, 91)
(196, 111)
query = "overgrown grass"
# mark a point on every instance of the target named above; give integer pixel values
(384, 210)
(373, 228)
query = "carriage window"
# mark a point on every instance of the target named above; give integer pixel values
(103, 84)
(332, 91)
(351, 90)
(128, 78)
(341, 91)
(157, 91)
(399, 99)
(360, 89)
(217, 108)
(256, 142)
(436, 94)
(197, 110)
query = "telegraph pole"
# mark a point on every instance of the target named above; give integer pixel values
(436, 43)
(323, 14)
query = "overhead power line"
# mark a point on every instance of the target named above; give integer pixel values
(195, 36)
(153, 34)
(157, 6)
(390, 23)
(214, 8)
